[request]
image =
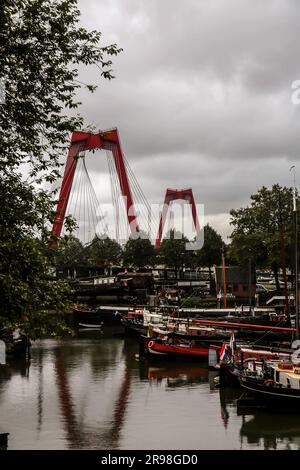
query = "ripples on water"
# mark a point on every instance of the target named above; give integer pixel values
(93, 393)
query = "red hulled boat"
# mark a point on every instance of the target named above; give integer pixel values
(165, 348)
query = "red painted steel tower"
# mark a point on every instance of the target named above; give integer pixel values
(172, 195)
(80, 142)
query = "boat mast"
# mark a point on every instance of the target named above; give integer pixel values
(296, 253)
(250, 284)
(296, 266)
(282, 259)
(224, 278)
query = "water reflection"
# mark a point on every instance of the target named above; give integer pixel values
(271, 429)
(40, 389)
(101, 359)
(19, 368)
(16, 367)
(174, 375)
(94, 392)
(228, 397)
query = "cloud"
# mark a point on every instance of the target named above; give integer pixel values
(202, 95)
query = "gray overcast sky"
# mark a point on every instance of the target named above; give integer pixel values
(202, 95)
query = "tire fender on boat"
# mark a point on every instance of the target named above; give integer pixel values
(150, 344)
(269, 382)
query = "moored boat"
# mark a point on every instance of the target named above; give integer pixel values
(91, 325)
(271, 381)
(136, 321)
(233, 357)
(166, 348)
(218, 331)
(17, 342)
(108, 315)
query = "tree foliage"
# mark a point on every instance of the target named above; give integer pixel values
(104, 252)
(70, 253)
(42, 47)
(138, 252)
(211, 252)
(256, 229)
(172, 251)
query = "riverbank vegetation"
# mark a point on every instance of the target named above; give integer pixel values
(42, 46)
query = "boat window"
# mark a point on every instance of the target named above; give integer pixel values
(154, 320)
(277, 376)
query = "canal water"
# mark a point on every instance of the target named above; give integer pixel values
(92, 392)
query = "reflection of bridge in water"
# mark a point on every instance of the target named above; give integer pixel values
(93, 408)
(78, 436)
(77, 433)
(175, 375)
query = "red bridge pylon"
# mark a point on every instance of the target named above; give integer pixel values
(80, 142)
(172, 195)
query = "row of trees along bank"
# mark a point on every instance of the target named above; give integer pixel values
(138, 252)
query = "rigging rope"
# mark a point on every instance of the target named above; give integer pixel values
(83, 204)
(148, 218)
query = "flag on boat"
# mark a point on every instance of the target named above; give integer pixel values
(232, 343)
(225, 353)
(222, 352)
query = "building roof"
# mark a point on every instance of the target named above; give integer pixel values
(277, 298)
(234, 275)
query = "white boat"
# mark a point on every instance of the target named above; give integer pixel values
(90, 325)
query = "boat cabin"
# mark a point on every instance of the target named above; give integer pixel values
(280, 374)
(287, 375)
(153, 318)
